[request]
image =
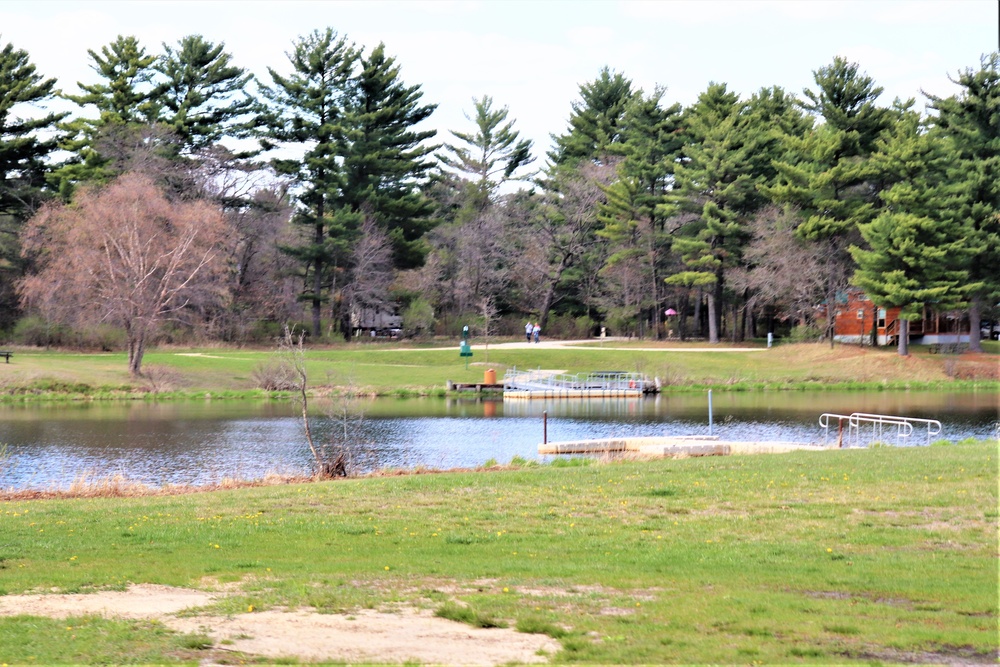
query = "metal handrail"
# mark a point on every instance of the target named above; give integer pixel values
(904, 426)
(933, 425)
(535, 380)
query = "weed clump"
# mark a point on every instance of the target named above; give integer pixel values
(454, 612)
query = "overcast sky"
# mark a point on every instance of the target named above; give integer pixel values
(533, 56)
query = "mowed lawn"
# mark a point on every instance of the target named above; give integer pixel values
(876, 555)
(394, 369)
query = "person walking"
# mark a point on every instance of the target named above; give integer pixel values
(528, 328)
(536, 331)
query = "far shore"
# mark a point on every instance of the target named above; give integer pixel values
(424, 368)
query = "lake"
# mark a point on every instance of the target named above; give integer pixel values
(200, 442)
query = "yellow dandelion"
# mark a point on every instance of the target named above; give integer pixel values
(250, 608)
(387, 568)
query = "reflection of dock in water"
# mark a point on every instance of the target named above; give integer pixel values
(599, 384)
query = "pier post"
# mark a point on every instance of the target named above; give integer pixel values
(710, 412)
(545, 427)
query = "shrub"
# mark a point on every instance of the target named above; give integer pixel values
(418, 318)
(274, 375)
(805, 333)
(36, 331)
(568, 326)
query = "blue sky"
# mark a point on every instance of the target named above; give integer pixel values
(533, 56)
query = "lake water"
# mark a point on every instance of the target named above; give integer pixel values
(200, 442)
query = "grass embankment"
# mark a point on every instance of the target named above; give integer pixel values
(883, 554)
(388, 369)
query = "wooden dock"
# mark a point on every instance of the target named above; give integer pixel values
(478, 387)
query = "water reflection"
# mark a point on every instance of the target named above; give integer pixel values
(202, 442)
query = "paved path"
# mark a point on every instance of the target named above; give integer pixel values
(591, 343)
(607, 344)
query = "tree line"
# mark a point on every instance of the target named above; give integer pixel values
(190, 197)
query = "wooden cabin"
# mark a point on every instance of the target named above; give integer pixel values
(858, 320)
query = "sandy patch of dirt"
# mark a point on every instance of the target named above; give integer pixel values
(364, 636)
(142, 601)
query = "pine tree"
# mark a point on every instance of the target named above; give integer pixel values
(714, 182)
(23, 155)
(916, 254)
(386, 161)
(633, 216)
(126, 97)
(971, 120)
(308, 111)
(204, 96)
(827, 174)
(831, 181)
(22, 150)
(845, 99)
(493, 155)
(595, 124)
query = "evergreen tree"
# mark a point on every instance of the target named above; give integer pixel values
(308, 112)
(633, 217)
(721, 180)
(386, 160)
(126, 97)
(971, 120)
(23, 155)
(827, 174)
(715, 182)
(204, 96)
(845, 99)
(22, 151)
(493, 155)
(917, 253)
(595, 124)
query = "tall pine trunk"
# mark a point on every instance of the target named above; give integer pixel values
(975, 324)
(904, 337)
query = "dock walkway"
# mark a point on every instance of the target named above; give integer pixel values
(598, 384)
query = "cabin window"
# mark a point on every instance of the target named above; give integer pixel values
(861, 314)
(881, 318)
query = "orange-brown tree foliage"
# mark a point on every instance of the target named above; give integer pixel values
(126, 255)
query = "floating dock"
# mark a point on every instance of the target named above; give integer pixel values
(675, 446)
(478, 387)
(598, 384)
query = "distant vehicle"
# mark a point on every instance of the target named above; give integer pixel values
(990, 331)
(377, 322)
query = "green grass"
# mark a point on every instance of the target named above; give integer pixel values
(391, 370)
(841, 556)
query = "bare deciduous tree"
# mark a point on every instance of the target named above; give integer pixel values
(785, 272)
(371, 273)
(127, 255)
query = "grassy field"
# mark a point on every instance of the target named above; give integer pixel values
(387, 369)
(885, 555)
